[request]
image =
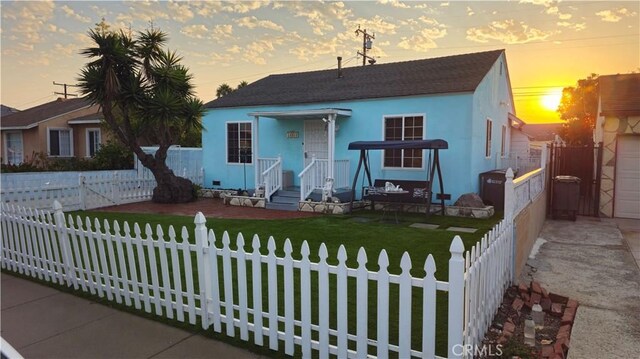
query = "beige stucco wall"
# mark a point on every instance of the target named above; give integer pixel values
(611, 127)
(80, 138)
(528, 225)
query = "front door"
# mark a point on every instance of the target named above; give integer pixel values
(315, 140)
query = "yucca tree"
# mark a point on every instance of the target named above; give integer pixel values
(144, 94)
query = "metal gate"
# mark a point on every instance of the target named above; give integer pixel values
(584, 162)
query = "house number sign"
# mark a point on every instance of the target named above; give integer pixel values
(293, 134)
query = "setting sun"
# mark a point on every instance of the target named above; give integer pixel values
(551, 100)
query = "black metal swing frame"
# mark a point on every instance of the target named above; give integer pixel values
(432, 145)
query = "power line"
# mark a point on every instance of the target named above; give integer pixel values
(65, 93)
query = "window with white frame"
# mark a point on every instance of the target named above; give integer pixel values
(239, 142)
(60, 142)
(13, 149)
(487, 146)
(403, 128)
(93, 141)
(503, 146)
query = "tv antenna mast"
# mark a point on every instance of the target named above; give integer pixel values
(366, 45)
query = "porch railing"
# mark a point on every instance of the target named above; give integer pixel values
(272, 178)
(314, 175)
(263, 165)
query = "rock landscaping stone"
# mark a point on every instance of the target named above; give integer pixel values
(517, 304)
(469, 200)
(545, 303)
(535, 287)
(556, 309)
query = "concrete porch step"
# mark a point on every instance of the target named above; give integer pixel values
(282, 206)
(277, 198)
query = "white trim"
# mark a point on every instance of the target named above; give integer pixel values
(87, 143)
(226, 144)
(503, 145)
(6, 149)
(488, 137)
(300, 114)
(71, 149)
(424, 134)
(84, 122)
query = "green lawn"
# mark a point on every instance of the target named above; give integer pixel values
(363, 229)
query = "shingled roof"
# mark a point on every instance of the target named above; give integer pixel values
(450, 74)
(620, 95)
(32, 116)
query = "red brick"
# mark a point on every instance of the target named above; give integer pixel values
(517, 304)
(572, 303)
(566, 343)
(535, 287)
(556, 309)
(535, 298)
(509, 327)
(545, 294)
(558, 348)
(557, 298)
(523, 288)
(547, 351)
(503, 339)
(569, 316)
(545, 303)
(558, 356)
(526, 297)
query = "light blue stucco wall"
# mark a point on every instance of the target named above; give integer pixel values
(456, 118)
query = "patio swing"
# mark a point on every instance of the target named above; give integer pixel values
(412, 192)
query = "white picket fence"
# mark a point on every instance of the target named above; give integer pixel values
(238, 291)
(88, 190)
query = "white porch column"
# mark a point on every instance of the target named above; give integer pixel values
(331, 144)
(254, 152)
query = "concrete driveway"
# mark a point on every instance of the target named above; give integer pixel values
(591, 261)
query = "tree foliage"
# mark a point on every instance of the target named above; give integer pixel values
(224, 89)
(579, 108)
(146, 96)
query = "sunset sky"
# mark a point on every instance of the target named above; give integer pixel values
(549, 44)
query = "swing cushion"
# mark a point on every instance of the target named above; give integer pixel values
(418, 191)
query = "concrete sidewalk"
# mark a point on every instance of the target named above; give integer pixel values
(589, 260)
(41, 322)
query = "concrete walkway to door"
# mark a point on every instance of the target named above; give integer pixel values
(590, 260)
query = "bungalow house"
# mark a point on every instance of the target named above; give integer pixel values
(60, 128)
(618, 128)
(302, 124)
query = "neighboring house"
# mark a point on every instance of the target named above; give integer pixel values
(542, 134)
(520, 140)
(6, 110)
(463, 99)
(61, 128)
(618, 128)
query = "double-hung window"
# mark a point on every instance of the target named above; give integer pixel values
(239, 142)
(60, 142)
(93, 141)
(13, 150)
(403, 128)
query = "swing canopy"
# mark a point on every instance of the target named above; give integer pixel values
(399, 145)
(433, 168)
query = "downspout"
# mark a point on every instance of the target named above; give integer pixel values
(254, 151)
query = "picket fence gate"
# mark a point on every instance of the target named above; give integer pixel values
(153, 271)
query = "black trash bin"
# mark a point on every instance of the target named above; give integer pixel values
(492, 188)
(566, 196)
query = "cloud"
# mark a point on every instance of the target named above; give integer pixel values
(318, 14)
(507, 32)
(27, 21)
(444, 4)
(215, 58)
(545, 3)
(615, 15)
(144, 12)
(423, 41)
(98, 11)
(575, 26)
(251, 22)
(195, 31)
(257, 51)
(376, 23)
(70, 13)
(470, 11)
(326, 46)
(180, 12)
(221, 32)
(394, 3)
(242, 7)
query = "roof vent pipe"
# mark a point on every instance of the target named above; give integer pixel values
(339, 67)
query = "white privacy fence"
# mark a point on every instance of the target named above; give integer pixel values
(80, 190)
(183, 161)
(294, 304)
